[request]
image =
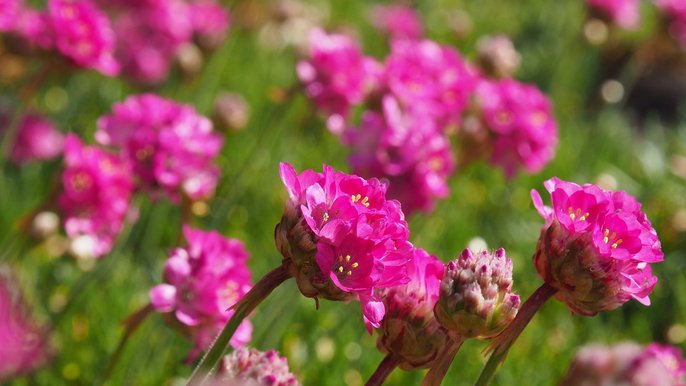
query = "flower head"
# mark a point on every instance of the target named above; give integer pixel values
(37, 139)
(9, 13)
(96, 195)
(335, 74)
(675, 11)
(497, 56)
(407, 148)
(627, 364)
(169, 145)
(342, 239)
(409, 330)
(476, 299)
(84, 34)
(24, 346)
(202, 281)
(596, 247)
(250, 367)
(398, 21)
(518, 118)
(624, 13)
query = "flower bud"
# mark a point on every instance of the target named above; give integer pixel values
(475, 298)
(250, 367)
(409, 331)
(497, 56)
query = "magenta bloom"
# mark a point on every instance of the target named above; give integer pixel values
(624, 13)
(407, 149)
(596, 247)
(209, 19)
(335, 74)
(169, 145)
(96, 194)
(342, 239)
(37, 139)
(84, 34)
(36, 28)
(627, 364)
(519, 119)
(430, 77)
(202, 281)
(409, 330)
(398, 21)
(9, 13)
(24, 346)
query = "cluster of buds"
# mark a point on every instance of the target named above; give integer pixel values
(596, 247)
(139, 38)
(342, 239)
(627, 364)
(476, 299)
(202, 282)
(416, 99)
(250, 367)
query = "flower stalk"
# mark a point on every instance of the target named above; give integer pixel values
(502, 343)
(386, 367)
(241, 310)
(440, 368)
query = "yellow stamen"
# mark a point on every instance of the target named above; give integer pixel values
(355, 265)
(340, 269)
(349, 273)
(347, 258)
(326, 217)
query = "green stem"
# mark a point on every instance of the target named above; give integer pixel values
(130, 325)
(440, 368)
(502, 343)
(241, 310)
(386, 367)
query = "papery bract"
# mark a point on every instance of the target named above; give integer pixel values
(595, 248)
(96, 195)
(202, 281)
(169, 145)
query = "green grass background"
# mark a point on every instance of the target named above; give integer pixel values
(329, 346)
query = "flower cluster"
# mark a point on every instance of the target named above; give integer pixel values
(24, 346)
(624, 13)
(596, 247)
(397, 21)
(675, 10)
(202, 281)
(513, 125)
(627, 364)
(37, 139)
(140, 38)
(94, 202)
(171, 148)
(250, 367)
(421, 94)
(409, 330)
(476, 299)
(342, 239)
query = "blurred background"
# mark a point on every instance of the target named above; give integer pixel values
(618, 99)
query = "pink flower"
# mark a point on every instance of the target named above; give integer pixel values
(170, 146)
(427, 76)
(37, 139)
(84, 34)
(202, 281)
(335, 74)
(36, 28)
(409, 330)
(407, 149)
(96, 195)
(624, 13)
(519, 119)
(398, 21)
(24, 346)
(627, 364)
(596, 247)
(209, 19)
(342, 239)
(249, 367)
(675, 11)
(9, 13)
